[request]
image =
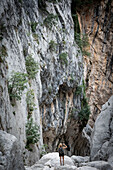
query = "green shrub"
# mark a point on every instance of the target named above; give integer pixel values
(50, 20)
(35, 36)
(85, 109)
(43, 150)
(71, 78)
(3, 51)
(82, 41)
(30, 102)
(78, 90)
(32, 132)
(84, 113)
(52, 45)
(16, 85)
(33, 26)
(63, 58)
(32, 67)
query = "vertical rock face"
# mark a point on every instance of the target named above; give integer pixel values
(102, 136)
(96, 20)
(60, 79)
(45, 31)
(10, 153)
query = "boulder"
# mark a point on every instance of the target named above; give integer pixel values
(10, 153)
(86, 168)
(51, 161)
(98, 164)
(102, 135)
(79, 159)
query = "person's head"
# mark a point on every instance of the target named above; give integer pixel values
(60, 145)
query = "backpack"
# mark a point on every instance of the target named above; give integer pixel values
(61, 151)
(68, 148)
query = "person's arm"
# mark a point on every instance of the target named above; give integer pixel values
(64, 146)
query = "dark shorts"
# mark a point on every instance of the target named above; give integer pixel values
(61, 154)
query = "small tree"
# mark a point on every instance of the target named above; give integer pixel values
(85, 109)
(63, 58)
(30, 102)
(32, 67)
(32, 132)
(16, 85)
(52, 45)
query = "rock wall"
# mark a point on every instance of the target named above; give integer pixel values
(45, 31)
(102, 135)
(96, 20)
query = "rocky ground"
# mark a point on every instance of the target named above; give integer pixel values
(51, 161)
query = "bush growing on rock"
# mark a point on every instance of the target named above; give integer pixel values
(85, 109)
(32, 132)
(30, 102)
(63, 58)
(32, 67)
(16, 85)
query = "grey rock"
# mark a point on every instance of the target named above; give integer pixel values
(79, 159)
(102, 135)
(66, 167)
(12, 157)
(98, 164)
(51, 161)
(86, 168)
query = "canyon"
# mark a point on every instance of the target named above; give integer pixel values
(56, 83)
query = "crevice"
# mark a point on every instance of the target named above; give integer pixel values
(60, 18)
(96, 33)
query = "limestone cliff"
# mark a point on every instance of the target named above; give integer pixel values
(96, 20)
(44, 31)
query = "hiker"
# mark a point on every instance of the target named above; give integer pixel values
(61, 151)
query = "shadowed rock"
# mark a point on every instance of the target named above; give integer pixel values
(10, 154)
(102, 136)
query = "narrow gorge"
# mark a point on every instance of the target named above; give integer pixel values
(56, 84)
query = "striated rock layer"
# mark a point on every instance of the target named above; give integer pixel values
(96, 20)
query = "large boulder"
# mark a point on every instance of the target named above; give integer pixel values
(102, 135)
(52, 161)
(80, 159)
(10, 153)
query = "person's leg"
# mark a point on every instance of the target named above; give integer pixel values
(60, 160)
(63, 160)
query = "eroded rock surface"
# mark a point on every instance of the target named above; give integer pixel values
(96, 20)
(102, 136)
(10, 152)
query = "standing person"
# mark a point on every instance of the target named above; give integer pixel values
(61, 151)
